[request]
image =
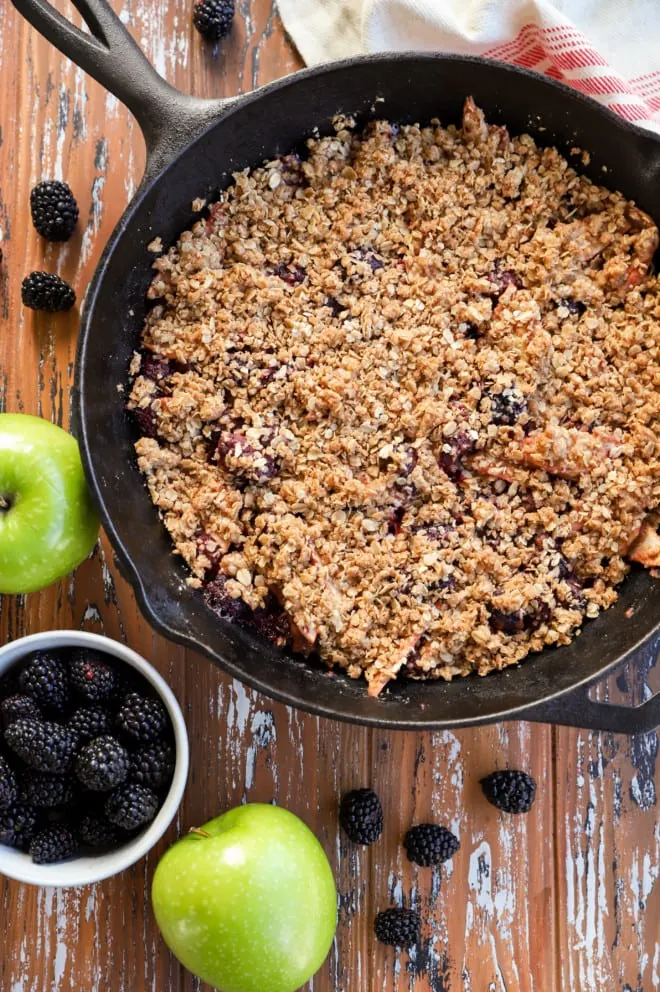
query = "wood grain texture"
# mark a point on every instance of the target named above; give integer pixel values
(566, 899)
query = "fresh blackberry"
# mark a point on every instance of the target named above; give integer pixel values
(510, 790)
(18, 825)
(42, 789)
(90, 722)
(131, 806)
(18, 707)
(213, 18)
(142, 719)
(102, 764)
(44, 291)
(8, 789)
(46, 679)
(45, 746)
(429, 844)
(54, 210)
(153, 765)
(398, 927)
(56, 842)
(361, 816)
(97, 832)
(92, 677)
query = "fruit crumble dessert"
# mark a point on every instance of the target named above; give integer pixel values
(399, 398)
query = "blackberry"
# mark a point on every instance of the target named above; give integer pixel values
(44, 291)
(507, 407)
(361, 816)
(213, 18)
(56, 842)
(17, 826)
(41, 789)
(18, 707)
(142, 719)
(89, 722)
(429, 844)
(97, 832)
(8, 788)
(510, 790)
(398, 927)
(46, 679)
(131, 806)
(153, 765)
(102, 764)
(54, 210)
(92, 678)
(45, 746)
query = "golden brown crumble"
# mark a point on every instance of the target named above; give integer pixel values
(408, 388)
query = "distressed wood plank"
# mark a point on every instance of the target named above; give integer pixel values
(518, 907)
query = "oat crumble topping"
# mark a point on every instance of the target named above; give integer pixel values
(399, 401)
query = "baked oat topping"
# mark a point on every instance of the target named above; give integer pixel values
(399, 400)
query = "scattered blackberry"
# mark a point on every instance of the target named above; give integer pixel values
(90, 722)
(429, 844)
(97, 832)
(54, 210)
(92, 678)
(102, 764)
(131, 806)
(153, 765)
(361, 816)
(510, 790)
(44, 291)
(8, 788)
(46, 679)
(41, 789)
(56, 842)
(18, 707)
(398, 927)
(213, 18)
(142, 719)
(17, 826)
(45, 746)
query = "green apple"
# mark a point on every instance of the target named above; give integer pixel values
(248, 902)
(47, 525)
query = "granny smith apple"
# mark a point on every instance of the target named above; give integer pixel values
(248, 901)
(47, 524)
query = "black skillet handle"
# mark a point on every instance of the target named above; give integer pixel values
(576, 709)
(168, 119)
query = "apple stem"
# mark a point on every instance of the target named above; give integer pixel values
(5, 504)
(199, 832)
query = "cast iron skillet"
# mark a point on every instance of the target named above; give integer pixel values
(192, 147)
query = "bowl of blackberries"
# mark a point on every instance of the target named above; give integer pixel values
(93, 758)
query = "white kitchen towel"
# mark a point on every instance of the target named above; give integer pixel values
(609, 49)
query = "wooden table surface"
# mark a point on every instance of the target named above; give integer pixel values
(566, 899)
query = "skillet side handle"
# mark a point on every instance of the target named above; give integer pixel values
(576, 709)
(168, 119)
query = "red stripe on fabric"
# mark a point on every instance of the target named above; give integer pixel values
(554, 73)
(532, 56)
(649, 86)
(577, 59)
(601, 85)
(653, 103)
(631, 112)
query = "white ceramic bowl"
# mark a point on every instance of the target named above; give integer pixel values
(85, 870)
